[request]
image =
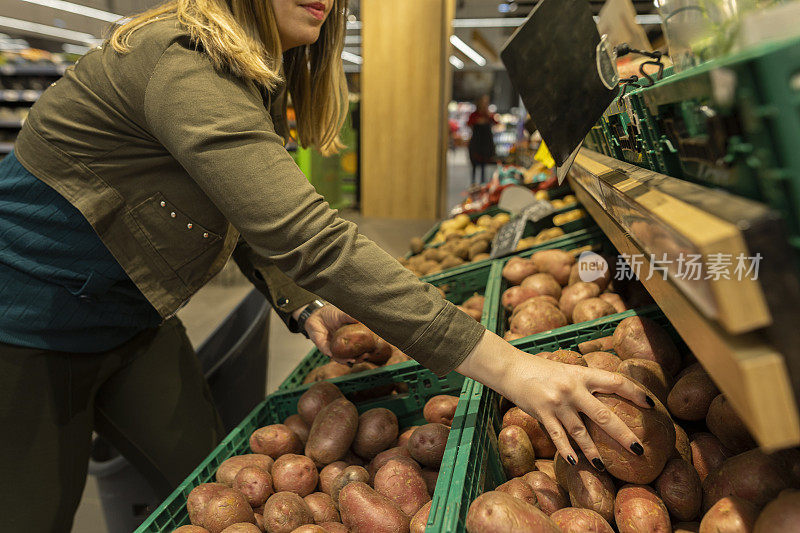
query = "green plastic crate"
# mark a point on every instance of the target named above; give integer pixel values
(422, 385)
(477, 467)
(460, 285)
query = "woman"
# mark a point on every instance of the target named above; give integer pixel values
(481, 143)
(132, 181)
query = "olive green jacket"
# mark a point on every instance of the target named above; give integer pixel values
(171, 161)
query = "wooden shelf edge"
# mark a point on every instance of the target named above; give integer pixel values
(750, 372)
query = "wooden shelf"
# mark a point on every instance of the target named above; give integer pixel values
(750, 371)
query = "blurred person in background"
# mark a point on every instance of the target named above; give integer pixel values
(481, 144)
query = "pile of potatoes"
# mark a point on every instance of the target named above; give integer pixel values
(328, 469)
(699, 471)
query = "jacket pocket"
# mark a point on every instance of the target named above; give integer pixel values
(173, 235)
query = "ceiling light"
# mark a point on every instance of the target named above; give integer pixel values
(351, 57)
(75, 49)
(456, 62)
(352, 39)
(51, 31)
(509, 22)
(78, 9)
(354, 25)
(469, 52)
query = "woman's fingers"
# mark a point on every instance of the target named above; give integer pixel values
(575, 428)
(609, 422)
(559, 437)
(613, 383)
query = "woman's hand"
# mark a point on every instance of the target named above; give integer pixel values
(322, 323)
(556, 394)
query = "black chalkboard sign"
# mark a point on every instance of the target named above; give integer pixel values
(507, 238)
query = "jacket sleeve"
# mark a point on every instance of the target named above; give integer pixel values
(217, 126)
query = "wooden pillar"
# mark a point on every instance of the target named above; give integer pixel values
(405, 88)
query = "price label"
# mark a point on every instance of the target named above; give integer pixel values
(507, 238)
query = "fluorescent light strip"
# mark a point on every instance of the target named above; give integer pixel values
(469, 52)
(456, 62)
(351, 57)
(50, 31)
(354, 25)
(513, 22)
(77, 9)
(352, 39)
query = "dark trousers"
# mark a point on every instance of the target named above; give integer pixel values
(475, 167)
(147, 397)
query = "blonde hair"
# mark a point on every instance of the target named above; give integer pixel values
(241, 36)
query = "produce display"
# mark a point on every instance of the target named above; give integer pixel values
(698, 470)
(328, 469)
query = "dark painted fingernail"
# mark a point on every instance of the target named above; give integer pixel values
(650, 401)
(349, 363)
(637, 448)
(598, 464)
(571, 460)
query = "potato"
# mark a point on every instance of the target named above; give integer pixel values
(752, 476)
(397, 357)
(364, 510)
(496, 512)
(275, 440)
(242, 528)
(602, 344)
(476, 302)
(726, 425)
(638, 508)
(680, 490)
(332, 432)
(537, 319)
(328, 474)
(351, 474)
(540, 440)
(377, 430)
(517, 269)
(731, 515)
(550, 495)
(575, 520)
(790, 458)
(683, 449)
(653, 427)
(401, 481)
(518, 488)
(427, 444)
(543, 283)
(546, 466)
(286, 511)
(352, 341)
(334, 527)
(516, 451)
(420, 520)
(451, 261)
(322, 507)
(440, 409)
(602, 360)
(602, 282)
(382, 458)
(557, 263)
(640, 338)
(532, 302)
(300, 428)
(416, 245)
(198, 499)
(588, 488)
(591, 309)
(472, 313)
(294, 473)
(615, 300)
(190, 529)
(225, 508)
(568, 357)
(231, 466)
(405, 435)
(708, 454)
(686, 527)
(781, 514)
(481, 257)
(691, 396)
(431, 477)
(255, 484)
(516, 295)
(330, 370)
(573, 294)
(510, 336)
(649, 374)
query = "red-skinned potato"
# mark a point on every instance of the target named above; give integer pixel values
(328, 474)
(640, 338)
(352, 341)
(730, 515)
(549, 494)
(603, 344)
(537, 318)
(405, 434)
(691, 396)
(576, 520)
(327, 371)
(540, 440)
(420, 520)
(275, 440)
(516, 451)
(517, 269)
(638, 508)
(568, 357)
(573, 294)
(397, 357)
(332, 432)
(382, 458)
(401, 481)
(516, 295)
(190, 529)
(309, 528)
(351, 474)
(649, 374)
(427, 444)
(334, 527)
(242, 528)
(473, 313)
(653, 427)
(226, 507)
(615, 300)
(322, 507)
(377, 431)
(602, 360)
(588, 488)
(231, 466)
(286, 511)
(476, 302)
(294, 473)
(440, 409)
(708, 454)
(543, 283)
(430, 476)
(497, 512)
(536, 300)
(300, 428)
(726, 425)
(781, 514)
(752, 476)
(686, 527)
(511, 336)
(591, 309)
(198, 499)
(518, 488)
(315, 398)
(255, 484)
(557, 263)
(680, 489)
(364, 510)
(547, 466)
